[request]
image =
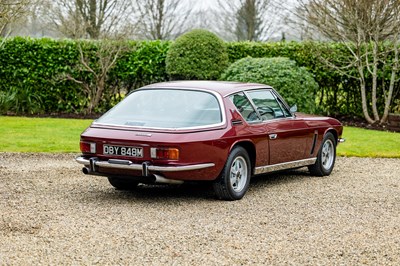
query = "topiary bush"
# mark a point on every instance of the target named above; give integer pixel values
(294, 83)
(198, 54)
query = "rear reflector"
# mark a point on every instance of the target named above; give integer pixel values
(164, 153)
(88, 147)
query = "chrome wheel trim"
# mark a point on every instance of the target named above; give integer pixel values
(327, 154)
(238, 174)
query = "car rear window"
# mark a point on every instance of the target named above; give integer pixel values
(165, 108)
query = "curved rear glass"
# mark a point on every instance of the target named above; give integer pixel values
(165, 108)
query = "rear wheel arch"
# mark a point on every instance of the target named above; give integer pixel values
(251, 151)
(234, 179)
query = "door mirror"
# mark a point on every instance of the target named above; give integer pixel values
(293, 109)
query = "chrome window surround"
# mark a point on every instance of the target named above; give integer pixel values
(275, 94)
(218, 97)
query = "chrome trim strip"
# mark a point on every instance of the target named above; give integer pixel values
(284, 166)
(139, 167)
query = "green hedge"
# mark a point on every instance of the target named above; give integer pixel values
(294, 83)
(197, 54)
(32, 74)
(28, 68)
(30, 71)
(336, 95)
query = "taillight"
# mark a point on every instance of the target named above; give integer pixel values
(165, 153)
(88, 147)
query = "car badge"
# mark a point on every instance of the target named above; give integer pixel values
(144, 134)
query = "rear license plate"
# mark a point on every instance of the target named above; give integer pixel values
(123, 151)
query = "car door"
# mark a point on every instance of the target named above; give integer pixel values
(289, 138)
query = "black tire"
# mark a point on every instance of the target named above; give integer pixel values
(122, 183)
(234, 180)
(326, 157)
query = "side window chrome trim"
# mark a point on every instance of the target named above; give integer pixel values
(281, 102)
(254, 109)
(277, 99)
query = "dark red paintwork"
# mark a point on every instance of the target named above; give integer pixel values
(213, 145)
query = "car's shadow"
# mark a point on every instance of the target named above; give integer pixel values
(154, 193)
(185, 191)
(194, 191)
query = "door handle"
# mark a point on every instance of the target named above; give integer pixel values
(273, 136)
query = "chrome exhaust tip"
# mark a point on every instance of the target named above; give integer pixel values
(163, 180)
(85, 170)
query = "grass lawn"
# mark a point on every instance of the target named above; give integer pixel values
(369, 143)
(21, 134)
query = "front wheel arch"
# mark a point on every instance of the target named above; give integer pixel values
(334, 133)
(326, 156)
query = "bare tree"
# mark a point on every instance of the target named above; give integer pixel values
(92, 19)
(94, 66)
(252, 20)
(11, 11)
(161, 19)
(370, 30)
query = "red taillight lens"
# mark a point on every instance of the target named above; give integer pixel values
(88, 147)
(165, 153)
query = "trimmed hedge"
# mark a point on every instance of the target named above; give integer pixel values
(337, 94)
(28, 68)
(294, 83)
(198, 54)
(32, 74)
(30, 71)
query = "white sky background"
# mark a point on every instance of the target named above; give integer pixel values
(286, 8)
(205, 6)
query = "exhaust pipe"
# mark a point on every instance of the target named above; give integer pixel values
(163, 180)
(86, 170)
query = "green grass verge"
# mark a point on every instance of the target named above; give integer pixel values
(21, 134)
(369, 143)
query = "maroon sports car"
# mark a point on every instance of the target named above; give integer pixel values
(224, 132)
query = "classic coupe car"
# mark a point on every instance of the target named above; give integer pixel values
(222, 132)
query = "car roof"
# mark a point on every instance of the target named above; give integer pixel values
(224, 88)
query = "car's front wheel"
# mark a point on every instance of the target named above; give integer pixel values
(326, 157)
(234, 180)
(122, 183)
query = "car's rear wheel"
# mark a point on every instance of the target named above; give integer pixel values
(234, 180)
(326, 157)
(122, 183)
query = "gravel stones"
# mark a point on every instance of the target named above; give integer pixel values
(53, 214)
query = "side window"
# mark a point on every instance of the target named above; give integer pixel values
(244, 107)
(267, 105)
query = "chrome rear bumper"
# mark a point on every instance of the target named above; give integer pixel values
(145, 167)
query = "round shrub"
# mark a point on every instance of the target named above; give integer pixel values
(198, 54)
(294, 83)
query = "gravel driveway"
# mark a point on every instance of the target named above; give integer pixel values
(53, 214)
